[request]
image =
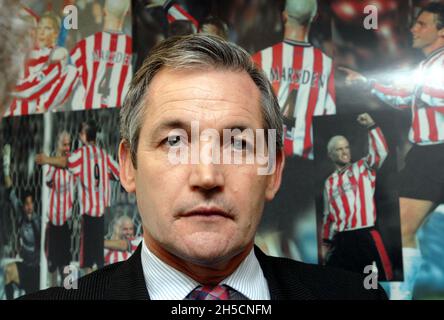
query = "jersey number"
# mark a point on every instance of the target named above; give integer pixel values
(105, 86)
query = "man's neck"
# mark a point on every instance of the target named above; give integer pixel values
(294, 33)
(206, 275)
(432, 48)
(112, 24)
(341, 166)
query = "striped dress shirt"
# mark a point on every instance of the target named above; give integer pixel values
(166, 283)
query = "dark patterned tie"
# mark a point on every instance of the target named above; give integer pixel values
(209, 293)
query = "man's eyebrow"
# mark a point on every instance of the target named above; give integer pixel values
(168, 125)
(240, 127)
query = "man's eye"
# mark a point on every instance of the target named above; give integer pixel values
(240, 145)
(174, 141)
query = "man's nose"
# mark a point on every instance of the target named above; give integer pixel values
(207, 175)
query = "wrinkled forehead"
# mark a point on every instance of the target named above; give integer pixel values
(341, 142)
(212, 93)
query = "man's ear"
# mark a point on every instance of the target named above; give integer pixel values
(441, 32)
(127, 170)
(284, 17)
(275, 179)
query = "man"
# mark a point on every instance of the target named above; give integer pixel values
(422, 179)
(25, 273)
(199, 219)
(302, 77)
(103, 62)
(99, 71)
(30, 98)
(16, 42)
(122, 243)
(48, 30)
(93, 167)
(350, 238)
(61, 197)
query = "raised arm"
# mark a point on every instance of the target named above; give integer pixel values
(174, 11)
(15, 201)
(399, 97)
(6, 153)
(377, 145)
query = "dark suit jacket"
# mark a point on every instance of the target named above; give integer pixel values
(287, 280)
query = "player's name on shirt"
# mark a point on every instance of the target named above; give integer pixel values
(298, 76)
(111, 57)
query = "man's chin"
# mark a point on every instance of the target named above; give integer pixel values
(207, 248)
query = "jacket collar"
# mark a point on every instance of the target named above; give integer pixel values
(128, 282)
(283, 278)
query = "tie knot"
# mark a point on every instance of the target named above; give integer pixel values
(209, 293)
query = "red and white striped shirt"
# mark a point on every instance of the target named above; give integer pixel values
(94, 168)
(425, 98)
(177, 12)
(348, 193)
(103, 63)
(100, 75)
(113, 256)
(61, 184)
(42, 85)
(303, 79)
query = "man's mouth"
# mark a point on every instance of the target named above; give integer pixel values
(205, 211)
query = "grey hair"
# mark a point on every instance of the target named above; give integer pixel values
(15, 42)
(197, 51)
(332, 143)
(60, 138)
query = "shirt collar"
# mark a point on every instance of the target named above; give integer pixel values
(344, 168)
(298, 43)
(163, 282)
(249, 280)
(434, 53)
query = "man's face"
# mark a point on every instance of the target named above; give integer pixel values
(202, 213)
(28, 206)
(65, 146)
(46, 33)
(127, 229)
(424, 31)
(341, 154)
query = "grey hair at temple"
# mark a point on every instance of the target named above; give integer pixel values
(198, 51)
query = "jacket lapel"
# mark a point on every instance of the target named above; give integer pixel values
(283, 279)
(128, 281)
